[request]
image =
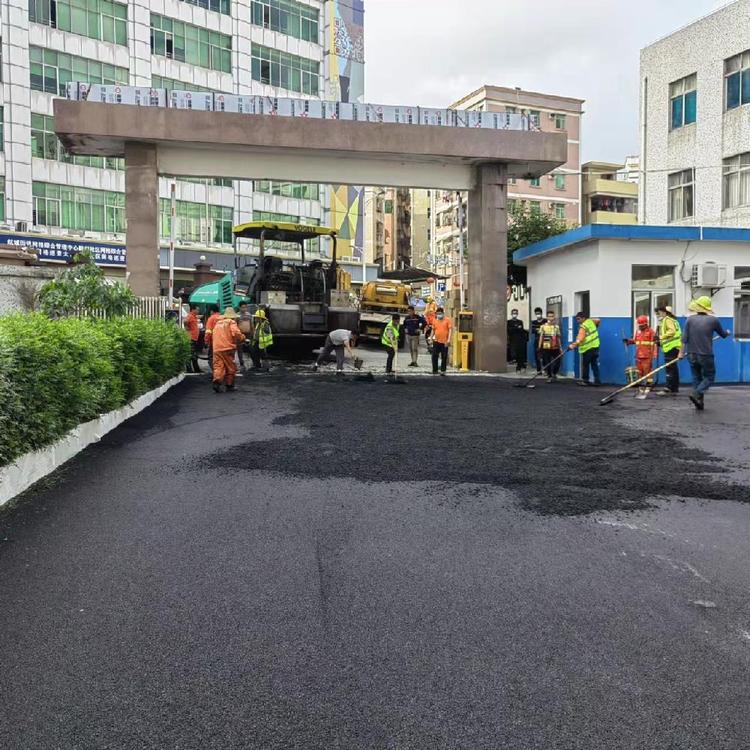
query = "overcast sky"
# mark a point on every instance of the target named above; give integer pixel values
(432, 52)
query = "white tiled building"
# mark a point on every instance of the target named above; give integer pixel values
(267, 47)
(695, 123)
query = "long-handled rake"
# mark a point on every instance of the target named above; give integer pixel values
(609, 398)
(530, 382)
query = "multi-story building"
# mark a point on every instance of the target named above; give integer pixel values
(421, 229)
(303, 48)
(558, 193)
(695, 129)
(610, 194)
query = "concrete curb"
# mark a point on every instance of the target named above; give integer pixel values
(31, 467)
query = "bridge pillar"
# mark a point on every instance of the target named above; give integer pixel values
(488, 265)
(142, 214)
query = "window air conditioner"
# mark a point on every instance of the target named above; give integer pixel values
(552, 115)
(22, 226)
(708, 275)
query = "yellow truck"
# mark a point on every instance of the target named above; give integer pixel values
(380, 300)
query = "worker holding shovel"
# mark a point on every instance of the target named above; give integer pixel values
(549, 346)
(644, 340)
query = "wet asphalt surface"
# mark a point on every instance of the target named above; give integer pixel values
(308, 563)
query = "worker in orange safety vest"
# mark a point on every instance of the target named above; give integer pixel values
(225, 337)
(644, 340)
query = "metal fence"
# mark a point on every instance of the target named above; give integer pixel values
(147, 308)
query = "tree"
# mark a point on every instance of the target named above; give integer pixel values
(525, 227)
(82, 289)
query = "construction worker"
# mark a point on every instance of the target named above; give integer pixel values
(536, 324)
(549, 346)
(430, 313)
(518, 338)
(442, 329)
(193, 327)
(670, 341)
(224, 339)
(413, 325)
(698, 347)
(262, 338)
(213, 316)
(342, 342)
(644, 340)
(587, 342)
(389, 340)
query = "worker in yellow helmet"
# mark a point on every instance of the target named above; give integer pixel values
(262, 338)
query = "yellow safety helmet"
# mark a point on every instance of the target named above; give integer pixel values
(260, 314)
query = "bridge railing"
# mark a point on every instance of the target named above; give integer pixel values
(208, 101)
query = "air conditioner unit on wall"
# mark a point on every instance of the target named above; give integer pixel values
(708, 276)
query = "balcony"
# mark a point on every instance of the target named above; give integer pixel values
(615, 188)
(612, 217)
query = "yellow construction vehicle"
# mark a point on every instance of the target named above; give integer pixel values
(380, 300)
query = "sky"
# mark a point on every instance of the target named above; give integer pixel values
(432, 52)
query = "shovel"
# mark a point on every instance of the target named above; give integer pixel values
(529, 383)
(608, 399)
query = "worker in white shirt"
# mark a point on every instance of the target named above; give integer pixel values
(342, 341)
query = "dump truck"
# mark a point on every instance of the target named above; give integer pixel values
(303, 299)
(380, 300)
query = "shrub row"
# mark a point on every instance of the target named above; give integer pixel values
(56, 374)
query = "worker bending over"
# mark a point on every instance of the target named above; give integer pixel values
(587, 342)
(549, 346)
(225, 337)
(644, 340)
(342, 342)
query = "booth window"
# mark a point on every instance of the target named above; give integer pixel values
(652, 287)
(742, 302)
(681, 192)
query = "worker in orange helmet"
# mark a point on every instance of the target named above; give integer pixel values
(644, 340)
(224, 339)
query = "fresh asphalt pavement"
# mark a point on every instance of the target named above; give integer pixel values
(448, 563)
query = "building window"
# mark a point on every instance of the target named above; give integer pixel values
(558, 210)
(51, 71)
(285, 71)
(97, 19)
(737, 80)
(2, 198)
(652, 287)
(681, 187)
(559, 182)
(535, 118)
(78, 208)
(534, 182)
(287, 17)
(197, 222)
(303, 190)
(219, 6)
(215, 181)
(535, 207)
(614, 205)
(683, 102)
(561, 121)
(737, 181)
(191, 44)
(46, 145)
(742, 302)
(2, 129)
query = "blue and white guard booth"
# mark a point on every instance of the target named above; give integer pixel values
(617, 273)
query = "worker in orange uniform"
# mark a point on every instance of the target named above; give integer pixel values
(442, 328)
(225, 337)
(430, 313)
(193, 327)
(644, 340)
(213, 316)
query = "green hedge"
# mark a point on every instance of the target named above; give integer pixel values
(56, 374)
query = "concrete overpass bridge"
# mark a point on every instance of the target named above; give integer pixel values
(171, 141)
